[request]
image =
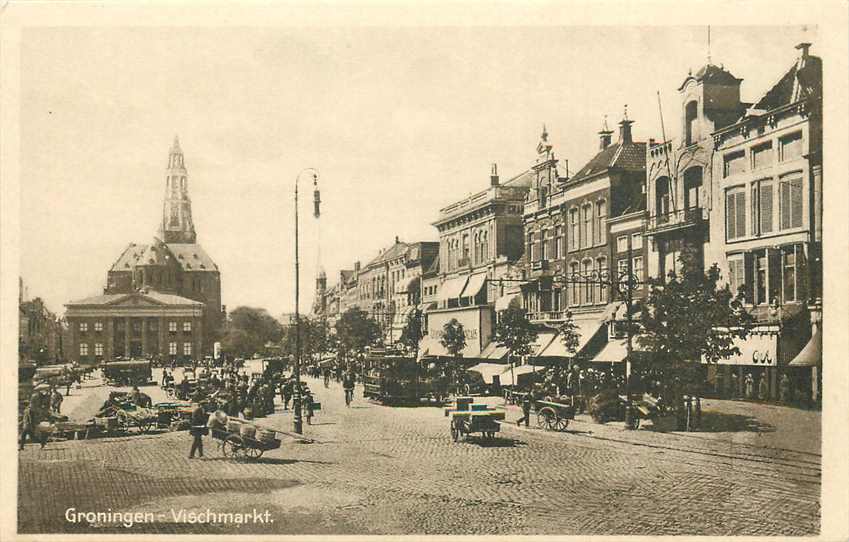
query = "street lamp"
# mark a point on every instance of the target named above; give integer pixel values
(299, 423)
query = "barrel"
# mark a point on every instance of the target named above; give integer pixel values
(248, 431)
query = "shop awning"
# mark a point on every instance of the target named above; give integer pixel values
(507, 377)
(430, 346)
(474, 285)
(453, 288)
(811, 355)
(493, 351)
(543, 340)
(487, 370)
(616, 350)
(508, 300)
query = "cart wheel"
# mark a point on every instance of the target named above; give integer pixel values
(562, 424)
(233, 447)
(635, 422)
(253, 453)
(546, 418)
(144, 427)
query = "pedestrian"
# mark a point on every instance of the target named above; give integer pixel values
(784, 388)
(750, 386)
(348, 386)
(29, 424)
(56, 401)
(198, 428)
(326, 377)
(288, 391)
(763, 388)
(308, 403)
(527, 403)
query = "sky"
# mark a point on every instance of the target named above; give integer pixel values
(399, 122)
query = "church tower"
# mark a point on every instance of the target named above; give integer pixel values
(177, 226)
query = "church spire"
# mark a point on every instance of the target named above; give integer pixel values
(177, 226)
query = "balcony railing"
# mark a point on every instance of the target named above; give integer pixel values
(681, 218)
(546, 316)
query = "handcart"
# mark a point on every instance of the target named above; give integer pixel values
(468, 417)
(240, 439)
(554, 415)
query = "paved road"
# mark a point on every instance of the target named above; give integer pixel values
(394, 470)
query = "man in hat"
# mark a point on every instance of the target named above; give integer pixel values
(198, 427)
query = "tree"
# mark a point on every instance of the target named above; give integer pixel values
(454, 340)
(688, 319)
(570, 336)
(412, 333)
(248, 330)
(515, 333)
(356, 330)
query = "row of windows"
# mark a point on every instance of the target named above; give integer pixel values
(768, 210)
(98, 349)
(587, 228)
(172, 326)
(430, 290)
(763, 155)
(636, 242)
(467, 250)
(770, 275)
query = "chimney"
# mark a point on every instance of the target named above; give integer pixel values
(625, 129)
(604, 135)
(803, 49)
(357, 267)
(396, 240)
(493, 175)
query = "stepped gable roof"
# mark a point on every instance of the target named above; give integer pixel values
(192, 257)
(631, 156)
(782, 92)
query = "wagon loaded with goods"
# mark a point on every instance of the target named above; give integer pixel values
(609, 405)
(243, 439)
(468, 417)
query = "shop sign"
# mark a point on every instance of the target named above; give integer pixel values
(758, 349)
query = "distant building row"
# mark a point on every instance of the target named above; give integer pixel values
(741, 186)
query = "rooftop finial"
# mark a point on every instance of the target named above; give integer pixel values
(625, 114)
(604, 127)
(175, 147)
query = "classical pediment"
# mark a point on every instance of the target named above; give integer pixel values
(135, 300)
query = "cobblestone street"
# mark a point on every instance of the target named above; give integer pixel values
(394, 470)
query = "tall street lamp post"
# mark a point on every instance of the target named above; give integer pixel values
(299, 423)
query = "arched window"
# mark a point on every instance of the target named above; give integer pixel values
(662, 202)
(690, 122)
(573, 229)
(587, 271)
(692, 185)
(573, 285)
(586, 225)
(601, 221)
(601, 288)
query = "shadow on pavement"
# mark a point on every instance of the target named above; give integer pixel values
(267, 461)
(715, 422)
(497, 442)
(322, 423)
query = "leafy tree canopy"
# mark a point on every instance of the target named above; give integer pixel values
(453, 337)
(515, 332)
(688, 318)
(248, 329)
(356, 330)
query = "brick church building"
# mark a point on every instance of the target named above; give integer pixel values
(162, 299)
